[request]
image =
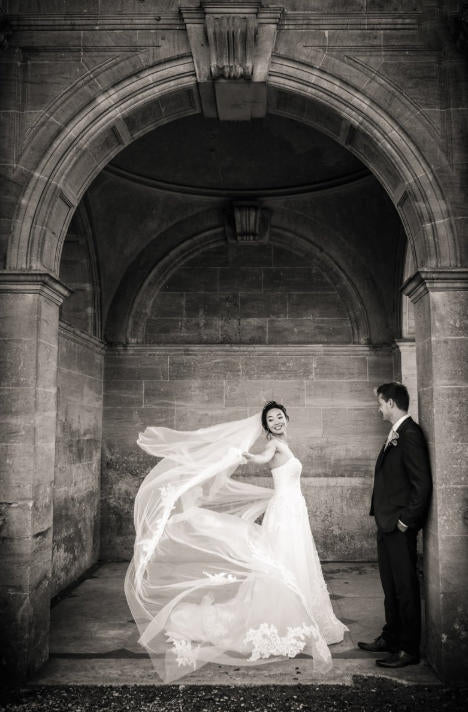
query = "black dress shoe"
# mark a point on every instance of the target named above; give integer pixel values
(379, 645)
(398, 660)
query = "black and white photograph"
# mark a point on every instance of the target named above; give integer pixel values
(233, 355)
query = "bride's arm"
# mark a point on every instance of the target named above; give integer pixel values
(263, 457)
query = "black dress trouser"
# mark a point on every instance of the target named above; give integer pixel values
(397, 566)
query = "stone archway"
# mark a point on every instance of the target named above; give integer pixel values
(159, 94)
(140, 101)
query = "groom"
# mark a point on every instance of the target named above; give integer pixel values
(400, 500)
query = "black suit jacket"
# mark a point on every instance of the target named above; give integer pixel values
(402, 480)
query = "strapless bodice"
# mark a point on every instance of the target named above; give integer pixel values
(286, 477)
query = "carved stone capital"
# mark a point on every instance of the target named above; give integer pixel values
(42, 283)
(247, 223)
(231, 44)
(435, 280)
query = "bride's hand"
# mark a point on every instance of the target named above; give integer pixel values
(248, 455)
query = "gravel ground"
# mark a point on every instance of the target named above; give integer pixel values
(364, 695)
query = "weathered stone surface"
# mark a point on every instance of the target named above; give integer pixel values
(442, 411)
(454, 623)
(123, 393)
(183, 393)
(121, 426)
(277, 365)
(340, 393)
(76, 529)
(78, 454)
(451, 357)
(205, 365)
(194, 280)
(16, 463)
(17, 363)
(449, 415)
(452, 509)
(325, 305)
(137, 365)
(225, 305)
(247, 331)
(190, 418)
(244, 303)
(261, 304)
(180, 331)
(335, 367)
(353, 422)
(257, 392)
(305, 424)
(380, 367)
(303, 331)
(450, 313)
(451, 464)
(29, 360)
(452, 557)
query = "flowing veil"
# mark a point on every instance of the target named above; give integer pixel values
(202, 574)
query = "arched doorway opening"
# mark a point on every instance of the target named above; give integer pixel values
(65, 167)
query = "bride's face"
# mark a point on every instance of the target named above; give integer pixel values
(276, 421)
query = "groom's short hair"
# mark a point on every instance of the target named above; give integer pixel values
(397, 392)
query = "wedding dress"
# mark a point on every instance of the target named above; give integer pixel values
(207, 583)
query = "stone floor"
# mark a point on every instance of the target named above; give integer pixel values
(94, 639)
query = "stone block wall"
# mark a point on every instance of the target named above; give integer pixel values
(77, 456)
(251, 294)
(79, 272)
(335, 428)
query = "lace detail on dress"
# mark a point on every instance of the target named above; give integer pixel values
(185, 654)
(267, 641)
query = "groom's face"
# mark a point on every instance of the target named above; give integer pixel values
(385, 407)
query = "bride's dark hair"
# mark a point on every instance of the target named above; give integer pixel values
(269, 406)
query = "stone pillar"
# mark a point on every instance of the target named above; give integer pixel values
(407, 372)
(440, 298)
(29, 312)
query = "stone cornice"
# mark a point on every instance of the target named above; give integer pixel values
(371, 21)
(42, 283)
(288, 20)
(435, 280)
(343, 181)
(405, 344)
(261, 350)
(81, 337)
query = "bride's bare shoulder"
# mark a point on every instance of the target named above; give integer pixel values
(282, 447)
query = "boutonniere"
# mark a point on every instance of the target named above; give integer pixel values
(394, 439)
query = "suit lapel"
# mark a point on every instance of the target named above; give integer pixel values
(380, 457)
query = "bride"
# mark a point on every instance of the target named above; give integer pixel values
(207, 583)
